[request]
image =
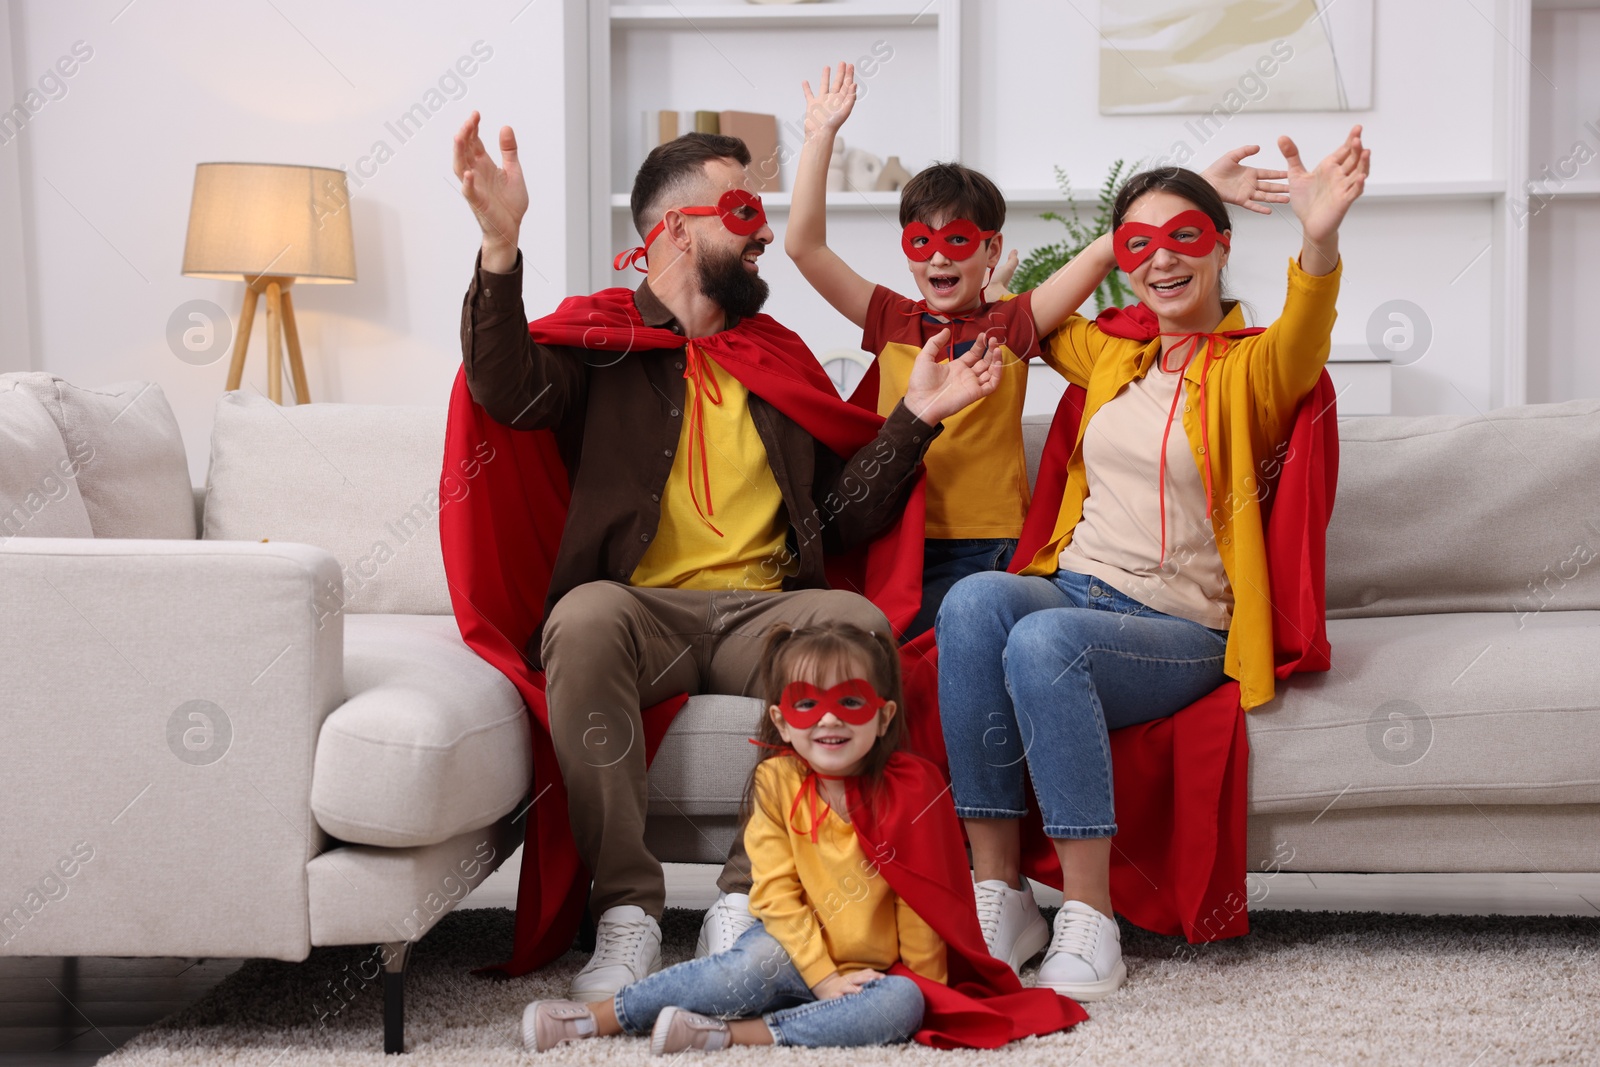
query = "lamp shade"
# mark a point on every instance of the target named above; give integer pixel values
(247, 220)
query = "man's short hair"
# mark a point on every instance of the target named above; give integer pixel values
(670, 167)
(951, 191)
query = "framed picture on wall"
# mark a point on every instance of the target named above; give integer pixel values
(1203, 56)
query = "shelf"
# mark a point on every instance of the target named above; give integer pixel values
(1457, 190)
(1589, 187)
(743, 16)
(838, 201)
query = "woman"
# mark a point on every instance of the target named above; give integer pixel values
(1153, 587)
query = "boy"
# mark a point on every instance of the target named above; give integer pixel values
(977, 487)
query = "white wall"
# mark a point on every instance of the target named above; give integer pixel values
(107, 171)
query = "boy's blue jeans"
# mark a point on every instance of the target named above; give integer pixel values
(1034, 672)
(945, 561)
(756, 978)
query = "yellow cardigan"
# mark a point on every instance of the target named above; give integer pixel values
(826, 902)
(1251, 400)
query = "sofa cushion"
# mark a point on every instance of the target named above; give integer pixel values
(1456, 709)
(134, 478)
(432, 742)
(39, 494)
(1467, 513)
(361, 481)
(705, 758)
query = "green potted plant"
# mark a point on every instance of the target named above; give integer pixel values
(1047, 259)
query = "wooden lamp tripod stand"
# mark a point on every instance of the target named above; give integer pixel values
(281, 330)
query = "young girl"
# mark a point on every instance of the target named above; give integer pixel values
(828, 797)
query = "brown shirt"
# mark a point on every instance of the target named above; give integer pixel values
(617, 419)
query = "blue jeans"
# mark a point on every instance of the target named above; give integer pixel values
(756, 977)
(1033, 672)
(945, 561)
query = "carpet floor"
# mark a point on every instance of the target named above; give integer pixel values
(1304, 988)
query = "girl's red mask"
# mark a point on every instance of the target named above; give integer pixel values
(741, 213)
(920, 243)
(1165, 236)
(854, 701)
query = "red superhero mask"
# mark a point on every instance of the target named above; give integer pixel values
(920, 243)
(741, 213)
(853, 701)
(1200, 243)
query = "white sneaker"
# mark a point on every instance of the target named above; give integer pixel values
(627, 947)
(725, 921)
(1085, 957)
(1012, 926)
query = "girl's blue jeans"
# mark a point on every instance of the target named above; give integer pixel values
(1034, 672)
(756, 978)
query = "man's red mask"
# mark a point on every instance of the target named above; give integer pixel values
(853, 701)
(741, 213)
(920, 243)
(1200, 236)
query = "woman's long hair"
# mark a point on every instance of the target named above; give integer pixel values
(793, 650)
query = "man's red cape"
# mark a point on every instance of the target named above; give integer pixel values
(1178, 860)
(910, 831)
(500, 543)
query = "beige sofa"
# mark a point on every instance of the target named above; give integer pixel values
(355, 769)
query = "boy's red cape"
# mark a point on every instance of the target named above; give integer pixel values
(500, 544)
(909, 830)
(1178, 862)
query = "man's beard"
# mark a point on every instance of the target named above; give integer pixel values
(739, 292)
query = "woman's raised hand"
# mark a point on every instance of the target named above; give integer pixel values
(831, 104)
(1320, 197)
(1249, 187)
(498, 195)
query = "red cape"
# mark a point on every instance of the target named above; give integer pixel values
(911, 832)
(1178, 862)
(500, 543)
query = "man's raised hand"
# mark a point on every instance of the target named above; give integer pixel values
(498, 195)
(936, 390)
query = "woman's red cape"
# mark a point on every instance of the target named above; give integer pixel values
(910, 832)
(1179, 858)
(500, 542)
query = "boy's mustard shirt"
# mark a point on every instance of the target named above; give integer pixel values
(1251, 399)
(977, 485)
(828, 906)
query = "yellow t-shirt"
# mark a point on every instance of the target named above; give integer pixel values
(978, 468)
(826, 903)
(745, 504)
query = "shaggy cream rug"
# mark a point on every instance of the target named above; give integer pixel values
(1304, 987)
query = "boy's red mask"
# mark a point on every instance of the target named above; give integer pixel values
(920, 243)
(741, 213)
(1165, 236)
(854, 701)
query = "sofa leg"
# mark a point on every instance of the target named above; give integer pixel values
(396, 962)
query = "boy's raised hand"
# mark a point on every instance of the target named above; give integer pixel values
(936, 390)
(1249, 187)
(835, 97)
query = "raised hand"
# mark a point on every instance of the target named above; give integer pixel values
(936, 390)
(833, 101)
(1000, 281)
(1320, 197)
(1249, 187)
(498, 195)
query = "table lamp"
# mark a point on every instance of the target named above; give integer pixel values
(270, 225)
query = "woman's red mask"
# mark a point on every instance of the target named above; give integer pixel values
(741, 212)
(853, 701)
(957, 239)
(1200, 236)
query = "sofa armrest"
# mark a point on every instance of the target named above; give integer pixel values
(163, 700)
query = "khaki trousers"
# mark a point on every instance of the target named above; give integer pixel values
(610, 649)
